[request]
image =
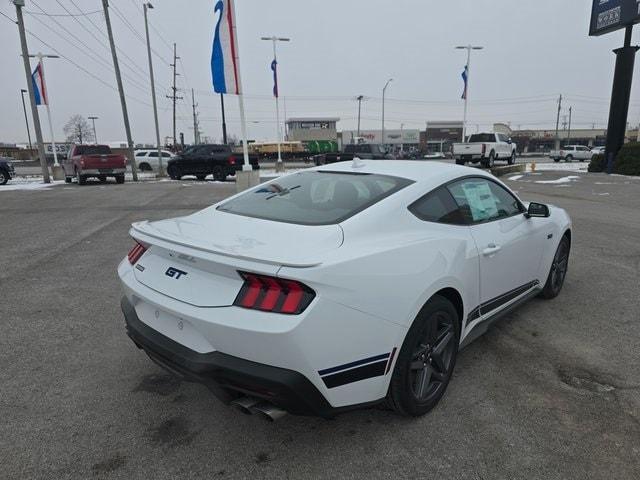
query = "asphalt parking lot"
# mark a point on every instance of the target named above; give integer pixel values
(553, 391)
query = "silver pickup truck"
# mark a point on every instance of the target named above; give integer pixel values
(485, 148)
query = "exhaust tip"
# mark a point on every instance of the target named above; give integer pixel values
(269, 411)
(245, 404)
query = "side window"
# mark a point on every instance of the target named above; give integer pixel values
(482, 200)
(438, 206)
(166, 154)
(141, 154)
(153, 154)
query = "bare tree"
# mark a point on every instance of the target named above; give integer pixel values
(78, 130)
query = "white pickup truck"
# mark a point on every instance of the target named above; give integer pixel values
(485, 148)
(569, 153)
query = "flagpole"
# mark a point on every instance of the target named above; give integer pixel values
(468, 48)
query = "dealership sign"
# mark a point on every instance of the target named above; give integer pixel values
(610, 15)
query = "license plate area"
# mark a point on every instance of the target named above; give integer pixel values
(176, 328)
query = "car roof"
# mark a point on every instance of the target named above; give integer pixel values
(428, 174)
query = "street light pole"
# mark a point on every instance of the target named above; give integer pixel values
(384, 91)
(26, 118)
(123, 101)
(359, 98)
(95, 135)
(274, 40)
(468, 48)
(146, 7)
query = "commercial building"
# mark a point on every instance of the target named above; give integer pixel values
(312, 129)
(405, 137)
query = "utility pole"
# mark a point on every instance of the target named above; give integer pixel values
(468, 48)
(359, 98)
(569, 133)
(276, 93)
(34, 108)
(174, 96)
(384, 92)
(557, 147)
(26, 118)
(224, 121)
(95, 134)
(123, 101)
(196, 128)
(148, 6)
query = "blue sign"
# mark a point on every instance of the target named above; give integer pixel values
(610, 15)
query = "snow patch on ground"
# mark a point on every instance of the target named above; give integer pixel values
(32, 183)
(559, 180)
(559, 167)
(516, 177)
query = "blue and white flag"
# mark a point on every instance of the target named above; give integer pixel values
(274, 67)
(224, 56)
(465, 78)
(39, 86)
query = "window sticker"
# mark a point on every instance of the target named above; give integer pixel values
(481, 201)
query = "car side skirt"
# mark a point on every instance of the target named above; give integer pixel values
(525, 292)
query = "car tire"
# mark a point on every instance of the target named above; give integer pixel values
(4, 177)
(512, 158)
(102, 178)
(68, 179)
(460, 162)
(174, 172)
(120, 179)
(80, 179)
(145, 167)
(558, 271)
(568, 158)
(557, 160)
(201, 177)
(426, 359)
(219, 175)
(489, 162)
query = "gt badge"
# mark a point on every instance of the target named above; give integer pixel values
(175, 273)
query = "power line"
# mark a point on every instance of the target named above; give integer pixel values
(62, 14)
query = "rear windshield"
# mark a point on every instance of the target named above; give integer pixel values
(482, 137)
(92, 150)
(315, 198)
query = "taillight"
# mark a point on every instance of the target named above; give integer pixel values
(271, 294)
(82, 163)
(232, 160)
(136, 252)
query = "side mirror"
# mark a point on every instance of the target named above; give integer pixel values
(509, 141)
(538, 210)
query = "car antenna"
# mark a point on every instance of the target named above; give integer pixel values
(357, 163)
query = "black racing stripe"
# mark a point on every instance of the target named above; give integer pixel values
(353, 364)
(356, 374)
(498, 301)
(506, 297)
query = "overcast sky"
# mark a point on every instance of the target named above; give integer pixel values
(534, 50)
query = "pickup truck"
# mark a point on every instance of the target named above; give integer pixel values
(203, 160)
(568, 153)
(7, 172)
(365, 151)
(84, 161)
(485, 148)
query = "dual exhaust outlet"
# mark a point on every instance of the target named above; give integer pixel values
(251, 406)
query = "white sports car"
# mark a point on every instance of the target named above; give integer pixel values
(339, 286)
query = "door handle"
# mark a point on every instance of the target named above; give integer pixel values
(491, 249)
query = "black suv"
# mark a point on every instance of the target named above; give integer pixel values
(7, 172)
(203, 160)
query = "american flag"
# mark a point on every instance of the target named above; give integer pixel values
(465, 78)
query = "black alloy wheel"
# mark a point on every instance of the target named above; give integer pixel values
(4, 177)
(426, 360)
(559, 269)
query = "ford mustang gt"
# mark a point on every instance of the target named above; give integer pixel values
(339, 286)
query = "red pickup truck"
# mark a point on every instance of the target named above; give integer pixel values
(84, 161)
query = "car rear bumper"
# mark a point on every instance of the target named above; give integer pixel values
(229, 377)
(102, 171)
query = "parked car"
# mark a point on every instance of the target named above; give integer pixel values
(485, 148)
(365, 151)
(147, 160)
(203, 160)
(7, 171)
(598, 150)
(85, 161)
(569, 153)
(329, 289)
